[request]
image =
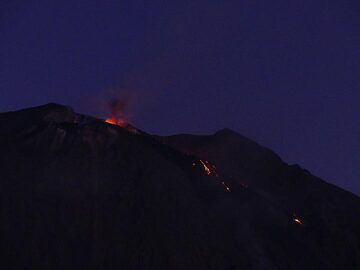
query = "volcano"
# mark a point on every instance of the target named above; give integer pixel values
(80, 193)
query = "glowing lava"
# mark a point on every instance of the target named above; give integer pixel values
(206, 168)
(210, 169)
(116, 121)
(226, 186)
(117, 108)
(297, 220)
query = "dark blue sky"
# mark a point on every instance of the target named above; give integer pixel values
(285, 73)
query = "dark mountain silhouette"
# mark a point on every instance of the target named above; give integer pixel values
(79, 193)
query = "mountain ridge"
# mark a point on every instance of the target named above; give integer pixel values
(78, 192)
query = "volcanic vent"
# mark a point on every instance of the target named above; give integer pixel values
(80, 193)
(117, 111)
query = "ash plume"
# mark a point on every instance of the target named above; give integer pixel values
(117, 106)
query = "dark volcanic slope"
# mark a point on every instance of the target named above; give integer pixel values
(78, 193)
(329, 214)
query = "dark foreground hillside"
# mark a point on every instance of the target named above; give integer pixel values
(79, 193)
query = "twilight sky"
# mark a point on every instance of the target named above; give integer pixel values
(284, 73)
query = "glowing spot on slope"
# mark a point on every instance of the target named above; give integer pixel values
(297, 220)
(206, 168)
(226, 186)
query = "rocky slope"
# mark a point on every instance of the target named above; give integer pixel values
(79, 193)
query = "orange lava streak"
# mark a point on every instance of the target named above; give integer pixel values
(206, 168)
(297, 220)
(210, 169)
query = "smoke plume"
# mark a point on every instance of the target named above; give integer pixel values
(118, 106)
